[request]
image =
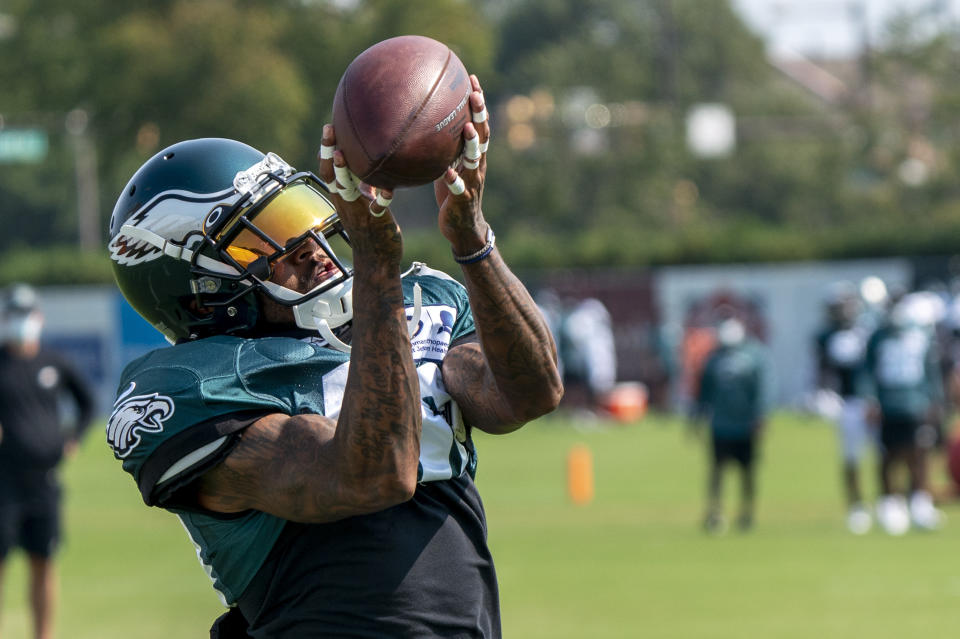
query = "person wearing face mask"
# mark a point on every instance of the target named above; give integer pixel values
(33, 441)
(734, 398)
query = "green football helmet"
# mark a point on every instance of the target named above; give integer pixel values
(196, 231)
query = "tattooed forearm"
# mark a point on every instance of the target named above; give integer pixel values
(280, 466)
(512, 376)
(379, 423)
(310, 468)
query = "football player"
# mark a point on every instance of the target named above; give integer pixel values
(841, 348)
(311, 426)
(904, 364)
(734, 396)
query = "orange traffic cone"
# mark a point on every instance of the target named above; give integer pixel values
(580, 475)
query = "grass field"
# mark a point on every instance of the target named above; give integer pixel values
(633, 563)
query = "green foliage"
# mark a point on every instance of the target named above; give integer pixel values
(601, 165)
(200, 70)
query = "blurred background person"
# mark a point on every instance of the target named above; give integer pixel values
(587, 353)
(903, 362)
(734, 398)
(841, 347)
(875, 301)
(33, 440)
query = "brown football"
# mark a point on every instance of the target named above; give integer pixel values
(399, 111)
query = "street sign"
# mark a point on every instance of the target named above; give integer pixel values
(23, 145)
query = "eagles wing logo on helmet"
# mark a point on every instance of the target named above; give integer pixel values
(133, 415)
(165, 217)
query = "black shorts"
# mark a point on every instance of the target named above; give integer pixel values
(738, 450)
(29, 513)
(899, 432)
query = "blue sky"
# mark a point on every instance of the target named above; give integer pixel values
(831, 28)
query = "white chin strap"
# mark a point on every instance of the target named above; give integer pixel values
(323, 313)
(326, 331)
(334, 308)
(414, 321)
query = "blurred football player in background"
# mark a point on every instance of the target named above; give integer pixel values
(734, 395)
(34, 437)
(311, 427)
(588, 353)
(841, 348)
(904, 367)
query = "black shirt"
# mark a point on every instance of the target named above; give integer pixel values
(841, 352)
(32, 432)
(419, 569)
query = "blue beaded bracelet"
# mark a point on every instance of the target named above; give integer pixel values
(483, 253)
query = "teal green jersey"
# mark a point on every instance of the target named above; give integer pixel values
(735, 389)
(904, 371)
(180, 409)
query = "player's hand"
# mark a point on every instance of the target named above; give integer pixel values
(459, 192)
(364, 210)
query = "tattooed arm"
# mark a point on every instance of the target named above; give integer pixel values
(510, 375)
(307, 467)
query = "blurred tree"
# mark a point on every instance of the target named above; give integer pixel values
(602, 139)
(589, 98)
(186, 69)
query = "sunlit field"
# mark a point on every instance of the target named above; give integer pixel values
(632, 563)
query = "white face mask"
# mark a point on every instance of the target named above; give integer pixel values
(731, 332)
(22, 329)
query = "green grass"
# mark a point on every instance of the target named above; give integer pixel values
(632, 563)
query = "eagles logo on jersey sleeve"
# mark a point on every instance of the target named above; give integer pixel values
(133, 415)
(177, 412)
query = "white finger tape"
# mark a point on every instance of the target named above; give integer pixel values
(383, 201)
(347, 183)
(484, 146)
(326, 151)
(471, 148)
(457, 187)
(349, 195)
(481, 116)
(471, 152)
(374, 213)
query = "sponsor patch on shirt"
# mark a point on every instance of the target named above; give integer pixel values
(431, 340)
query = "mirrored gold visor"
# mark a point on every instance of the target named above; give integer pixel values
(287, 217)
